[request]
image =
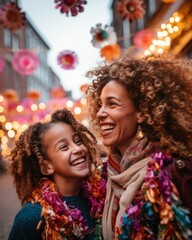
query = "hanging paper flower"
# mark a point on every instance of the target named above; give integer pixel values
(2, 63)
(143, 38)
(73, 6)
(33, 94)
(110, 52)
(25, 62)
(10, 95)
(131, 9)
(103, 35)
(84, 87)
(11, 17)
(57, 92)
(169, 1)
(67, 59)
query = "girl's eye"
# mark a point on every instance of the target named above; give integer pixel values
(63, 147)
(78, 141)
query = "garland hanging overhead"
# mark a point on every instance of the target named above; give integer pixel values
(67, 60)
(70, 6)
(25, 62)
(131, 9)
(11, 17)
(103, 35)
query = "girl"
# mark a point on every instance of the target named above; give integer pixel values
(59, 181)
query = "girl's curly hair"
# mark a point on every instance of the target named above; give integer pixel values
(161, 89)
(29, 152)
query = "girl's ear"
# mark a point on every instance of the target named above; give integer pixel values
(47, 168)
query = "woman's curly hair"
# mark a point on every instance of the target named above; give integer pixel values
(161, 89)
(29, 152)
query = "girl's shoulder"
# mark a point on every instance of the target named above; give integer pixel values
(25, 225)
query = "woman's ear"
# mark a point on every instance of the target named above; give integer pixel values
(47, 168)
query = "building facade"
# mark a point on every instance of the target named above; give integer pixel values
(43, 79)
(158, 14)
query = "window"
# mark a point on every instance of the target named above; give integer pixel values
(7, 37)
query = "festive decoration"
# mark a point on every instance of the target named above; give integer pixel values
(25, 62)
(103, 35)
(156, 212)
(110, 52)
(143, 38)
(84, 87)
(131, 9)
(57, 92)
(70, 6)
(2, 63)
(67, 59)
(10, 95)
(169, 1)
(11, 17)
(64, 220)
(33, 94)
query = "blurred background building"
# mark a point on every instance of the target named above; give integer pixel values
(43, 79)
(170, 19)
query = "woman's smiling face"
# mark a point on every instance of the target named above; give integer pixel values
(117, 116)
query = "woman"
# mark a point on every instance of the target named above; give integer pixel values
(59, 181)
(143, 112)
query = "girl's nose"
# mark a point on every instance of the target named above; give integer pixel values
(76, 149)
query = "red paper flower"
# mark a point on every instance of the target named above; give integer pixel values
(143, 38)
(110, 52)
(11, 17)
(73, 6)
(131, 9)
(67, 59)
(2, 63)
(103, 35)
(25, 62)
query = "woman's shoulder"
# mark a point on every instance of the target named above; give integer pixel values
(180, 171)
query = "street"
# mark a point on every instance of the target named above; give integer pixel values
(9, 204)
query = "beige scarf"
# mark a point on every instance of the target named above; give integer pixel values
(124, 186)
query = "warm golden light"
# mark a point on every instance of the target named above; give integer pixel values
(19, 108)
(69, 104)
(8, 126)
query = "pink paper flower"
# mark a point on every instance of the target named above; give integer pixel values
(143, 38)
(67, 59)
(70, 6)
(2, 63)
(25, 62)
(103, 35)
(11, 17)
(131, 9)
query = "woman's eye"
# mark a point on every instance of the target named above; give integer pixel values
(111, 104)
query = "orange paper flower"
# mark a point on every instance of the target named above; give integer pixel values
(110, 52)
(33, 94)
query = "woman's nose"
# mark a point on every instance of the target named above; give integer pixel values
(102, 112)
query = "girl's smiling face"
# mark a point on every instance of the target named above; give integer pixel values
(67, 154)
